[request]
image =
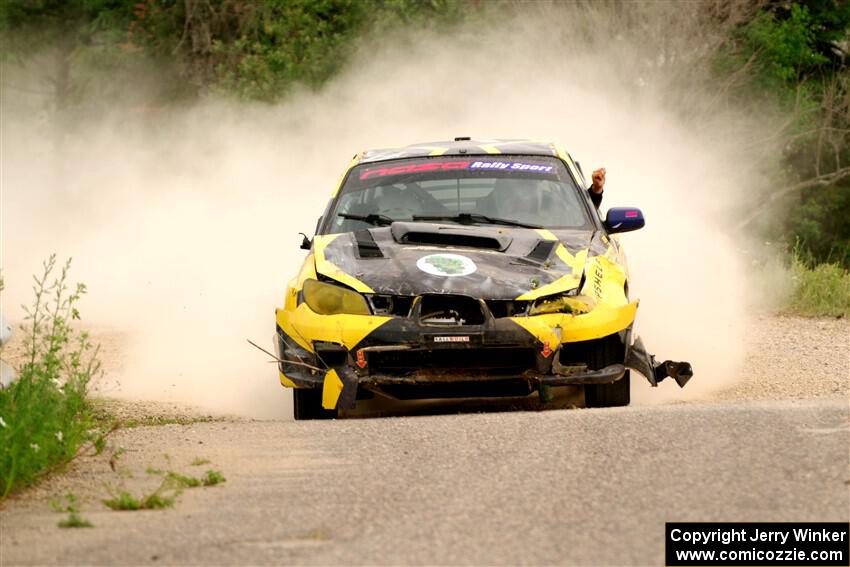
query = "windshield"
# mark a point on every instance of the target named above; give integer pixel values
(519, 190)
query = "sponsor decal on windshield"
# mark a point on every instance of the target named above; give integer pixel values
(512, 166)
(454, 165)
(448, 265)
(414, 168)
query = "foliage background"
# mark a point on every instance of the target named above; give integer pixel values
(786, 59)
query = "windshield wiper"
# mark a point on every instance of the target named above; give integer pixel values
(374, 219)
(469, 218)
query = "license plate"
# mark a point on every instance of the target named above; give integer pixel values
(451, 339)
(445, 339)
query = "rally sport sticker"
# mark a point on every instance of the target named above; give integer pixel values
(446, 265)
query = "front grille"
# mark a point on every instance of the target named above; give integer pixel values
(450, 310)
(441, 306)
(398, 305)
(507, 308)
(495, 360)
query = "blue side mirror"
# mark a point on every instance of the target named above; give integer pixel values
(624, 219)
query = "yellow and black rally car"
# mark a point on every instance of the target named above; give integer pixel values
(462, 269)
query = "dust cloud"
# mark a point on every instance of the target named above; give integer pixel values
(184, 223)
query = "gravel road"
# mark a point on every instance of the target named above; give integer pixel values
(566, 486)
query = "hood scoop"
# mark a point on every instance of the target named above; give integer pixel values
(453, 236)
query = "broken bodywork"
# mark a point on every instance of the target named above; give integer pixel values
(413, 302)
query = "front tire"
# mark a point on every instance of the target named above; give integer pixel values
(608, 351)
(307, 404)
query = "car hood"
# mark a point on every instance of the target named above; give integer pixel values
(487, 262)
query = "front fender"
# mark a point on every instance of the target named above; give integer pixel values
(556, 328)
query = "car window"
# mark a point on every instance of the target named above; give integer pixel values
(531, 190)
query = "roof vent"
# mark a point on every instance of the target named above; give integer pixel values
(462, 139)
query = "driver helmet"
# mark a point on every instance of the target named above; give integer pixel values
(394, 202)
(516, 199)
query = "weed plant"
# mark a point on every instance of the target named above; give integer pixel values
(183, 481)
(213, 477)
(44, 415)
(163, 497)
(74, 520)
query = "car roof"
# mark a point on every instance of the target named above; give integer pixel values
(460, 146)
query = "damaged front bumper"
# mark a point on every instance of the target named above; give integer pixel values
(409, 361)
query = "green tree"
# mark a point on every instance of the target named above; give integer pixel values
(64, 35)
(795, 58)
(259, 49)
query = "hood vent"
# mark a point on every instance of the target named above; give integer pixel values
(542, 251)
(366, 245)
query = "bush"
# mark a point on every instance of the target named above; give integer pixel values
(820, 290)
(44, 415)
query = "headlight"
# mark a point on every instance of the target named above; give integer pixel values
(329, 299)
(563, 303)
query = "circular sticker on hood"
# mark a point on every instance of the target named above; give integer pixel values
(446, 265)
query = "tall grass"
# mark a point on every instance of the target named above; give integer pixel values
(819, 290)
(44, 415)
